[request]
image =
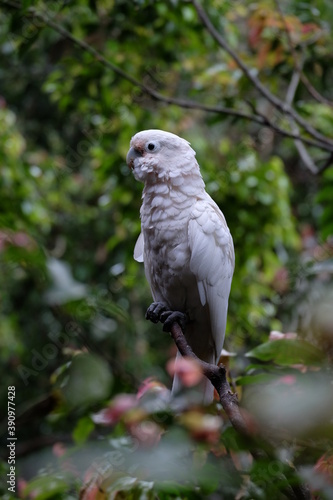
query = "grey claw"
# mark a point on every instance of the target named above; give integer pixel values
(154, 311)
(170, 317)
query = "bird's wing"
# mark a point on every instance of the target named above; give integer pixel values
(138, 249)
(212, 262)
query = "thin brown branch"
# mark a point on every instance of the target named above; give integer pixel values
(290, 135)
(305, 157)
(286, 108)
(217, 376)
(326, 165)
(314, 92)
(290, 95)
(293, 85)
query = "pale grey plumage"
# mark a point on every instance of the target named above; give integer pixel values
(185, 243)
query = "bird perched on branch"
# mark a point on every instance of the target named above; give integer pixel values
(185, 244)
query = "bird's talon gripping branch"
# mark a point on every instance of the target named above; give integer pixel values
(168, 318)
(154, 311)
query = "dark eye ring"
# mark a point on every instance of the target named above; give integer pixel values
(151, 146)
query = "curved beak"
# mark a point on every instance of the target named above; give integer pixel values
(131, 156)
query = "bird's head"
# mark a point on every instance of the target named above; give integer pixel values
(156, 156)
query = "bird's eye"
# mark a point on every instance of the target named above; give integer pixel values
(152, 146)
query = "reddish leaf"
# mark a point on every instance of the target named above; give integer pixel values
(118, 407)
(325, 466)
(150, 385)
(188, 371)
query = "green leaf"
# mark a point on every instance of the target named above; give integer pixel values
(89, 381)
(83, 429)
(47, 487)
(325, 194)
(287, 352)
(27, 3)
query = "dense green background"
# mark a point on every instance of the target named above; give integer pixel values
(72, 299)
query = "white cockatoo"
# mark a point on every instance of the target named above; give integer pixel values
(185, 243)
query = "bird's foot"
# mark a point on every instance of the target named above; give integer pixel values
(157, 311)
(154, 311)
(170, 317)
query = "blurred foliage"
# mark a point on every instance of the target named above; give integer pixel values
(72, 299)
